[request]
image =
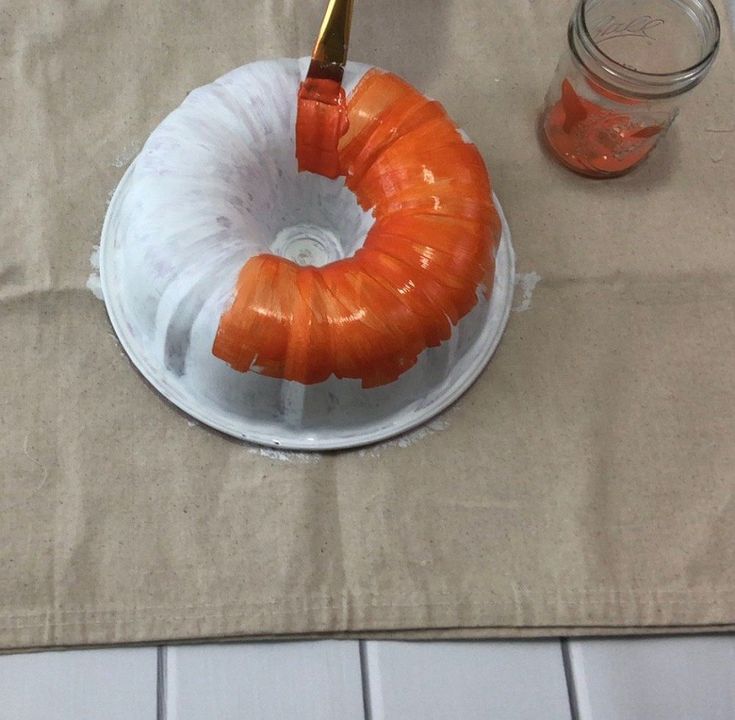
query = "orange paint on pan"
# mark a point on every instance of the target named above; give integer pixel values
(321, 120)
(425, 261)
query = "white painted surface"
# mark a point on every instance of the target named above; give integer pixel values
(466, 681)
(79, 685)
(687, 678)
(265, 681)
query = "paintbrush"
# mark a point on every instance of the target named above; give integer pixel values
(330, 51)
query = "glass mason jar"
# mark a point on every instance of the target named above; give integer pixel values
(620, 85)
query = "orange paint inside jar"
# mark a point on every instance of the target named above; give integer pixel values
(595, 140)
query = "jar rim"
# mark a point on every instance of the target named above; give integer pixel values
(693, 72)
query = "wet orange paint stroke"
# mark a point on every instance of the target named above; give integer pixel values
(426, 260)
(321, 120)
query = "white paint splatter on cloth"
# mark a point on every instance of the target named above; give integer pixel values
(527, 283)
(407, 440)
(292, 458)
(93, 281)
(127, 154)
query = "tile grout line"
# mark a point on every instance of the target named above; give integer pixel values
(365, 676)
(566, 659)
(161, 707)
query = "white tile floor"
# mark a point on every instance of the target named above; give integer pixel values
(686, 678)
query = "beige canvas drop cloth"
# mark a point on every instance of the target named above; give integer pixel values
(586, 483)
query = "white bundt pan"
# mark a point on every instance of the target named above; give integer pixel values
(215, 184)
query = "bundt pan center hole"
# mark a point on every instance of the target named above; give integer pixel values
(308, 244)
